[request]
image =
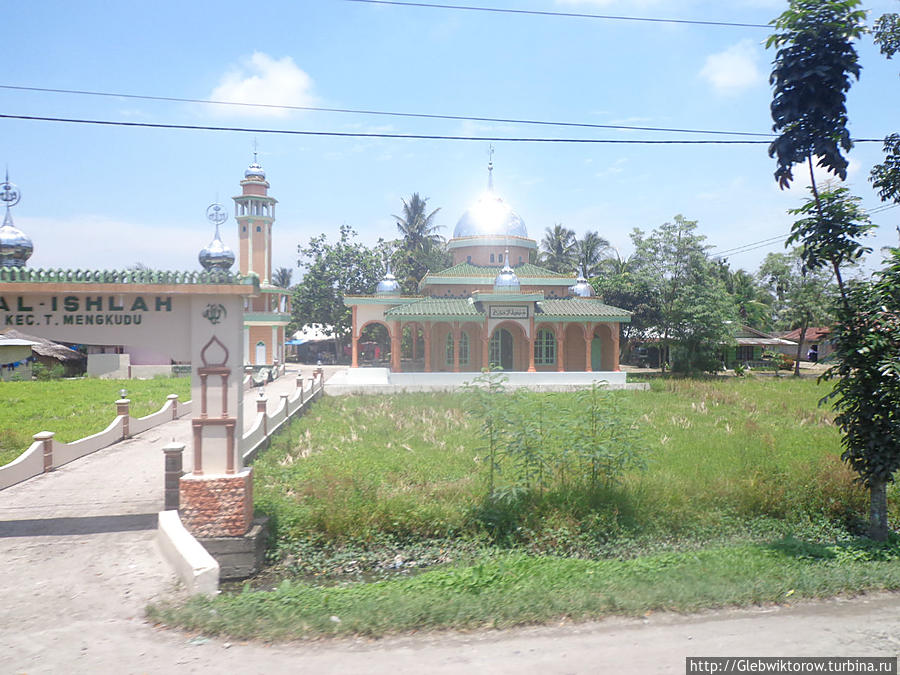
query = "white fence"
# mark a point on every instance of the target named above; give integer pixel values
(46, 453)
(257, 438)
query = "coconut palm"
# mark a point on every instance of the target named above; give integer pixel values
(417, 226)
(282, 277)
(590, 251)
(558, 249)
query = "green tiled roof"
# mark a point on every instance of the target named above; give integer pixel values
(437, 308)
(30, 275)
(580, 308)
(528, 274)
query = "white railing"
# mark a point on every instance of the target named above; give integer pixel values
(46, 453)
(265, 425)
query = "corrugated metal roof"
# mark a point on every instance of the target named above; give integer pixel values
(581, 307)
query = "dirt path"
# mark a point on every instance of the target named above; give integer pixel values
(79, 564)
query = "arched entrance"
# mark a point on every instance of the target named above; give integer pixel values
(374, 345)
(597, 353)
(501, 349)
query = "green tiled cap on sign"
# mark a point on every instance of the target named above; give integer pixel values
(36, 276)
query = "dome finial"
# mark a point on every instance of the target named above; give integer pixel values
(490, 168)
(388, 284)
(216, 256)
(15, 246)
(581, 288)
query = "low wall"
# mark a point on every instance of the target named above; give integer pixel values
(382, 381)
(48, 453)
(257, 439)
(108, 366)
(197, 569)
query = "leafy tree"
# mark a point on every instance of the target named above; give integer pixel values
(590, 251)
(558, 249)
(867, 386)
(753, 303)
(886, 176)
(803, 296)
(630, 289)
(674, 262)
(812, 71)
(333, 270)
(829, 231)
(416, 225)
(421, 248)
(282, 277)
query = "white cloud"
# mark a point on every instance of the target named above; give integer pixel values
(263, 79)
(734, 69)
(802, 183)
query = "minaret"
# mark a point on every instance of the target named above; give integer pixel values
(254, 211)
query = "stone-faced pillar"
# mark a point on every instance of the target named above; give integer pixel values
(427, 346)
(217, 498)
(396, 334)
(560, 334)
(531, 339)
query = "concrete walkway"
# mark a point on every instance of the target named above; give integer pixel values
(80, 563)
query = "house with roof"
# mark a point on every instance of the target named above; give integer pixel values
(492, 307)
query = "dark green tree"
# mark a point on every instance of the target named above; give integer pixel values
(558, 249)
(281, 277)
(416, 225)
(829, 231)
(803, 296)
(590, 251)
(332, 270)
(866, 392)
(814, 62)
(420, 247)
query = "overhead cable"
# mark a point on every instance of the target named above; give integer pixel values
(575, 15)
(383, 113)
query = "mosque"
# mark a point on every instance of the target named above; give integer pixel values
(265, 316)
(492, 307)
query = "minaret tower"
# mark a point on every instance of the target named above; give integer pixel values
(254, 211)
(265, 316)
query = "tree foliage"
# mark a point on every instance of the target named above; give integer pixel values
(558, 249)
(281, 277)
(420, 247)
(814, 63)
(867, 386)
(331, 271)
(590, 251)
(829, 231)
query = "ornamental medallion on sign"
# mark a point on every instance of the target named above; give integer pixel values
(215, 313)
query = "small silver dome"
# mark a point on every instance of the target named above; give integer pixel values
(507, 281)
(216, 256)
(581, 288)
(490, 216)
(255, 171)
(389, 284)
(15, 246)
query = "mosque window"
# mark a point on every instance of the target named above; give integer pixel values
(468, 258)
(492, 257)
(500, 257)
(463, 349)
(258, 228)
(520, 260)
(545, 348)
(449, 350)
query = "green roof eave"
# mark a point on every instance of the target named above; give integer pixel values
(478, 296)
(350, 300)
(266, 318)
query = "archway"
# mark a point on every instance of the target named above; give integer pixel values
(412, 347)
(574, 347)
(374, 345)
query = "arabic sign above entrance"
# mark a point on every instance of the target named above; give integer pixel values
(508, 312)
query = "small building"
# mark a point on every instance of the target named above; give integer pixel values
(492, 307)
(15, 359)
(751, 344)
(52, 354)
(816, 336)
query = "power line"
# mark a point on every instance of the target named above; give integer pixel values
(357, 134)
(575, 15)
(383, 113)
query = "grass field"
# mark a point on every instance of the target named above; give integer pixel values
(382, 522)
(74, 409)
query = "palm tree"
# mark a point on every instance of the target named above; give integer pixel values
(590, 251)
(558, 249)
(282, 277)
(417, 227)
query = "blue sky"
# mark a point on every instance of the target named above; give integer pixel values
(103, 197)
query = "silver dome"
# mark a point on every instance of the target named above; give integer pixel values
(15, 246)
(255, 171)
(507, 281)
(581, 288)
(490, 216)
(388, 285)
(216, 256)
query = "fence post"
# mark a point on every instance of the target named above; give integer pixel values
(174, 399)
(174, 453)
(122, 409)
(46, 438)
(284, 399)
(261, 408)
